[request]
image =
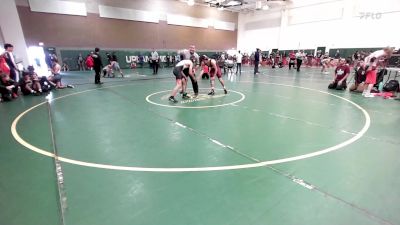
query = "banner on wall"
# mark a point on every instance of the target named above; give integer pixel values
(135, 58)
(125, 57)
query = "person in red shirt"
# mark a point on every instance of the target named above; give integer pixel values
(4, 68)
(204, 74)
(342, 71)
(292, 59)
(89, 62)
(284, 59)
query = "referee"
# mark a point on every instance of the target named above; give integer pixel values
(194, 57)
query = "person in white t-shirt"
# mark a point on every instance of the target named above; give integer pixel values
(379, 55)
(299, 57)
(154, 61)
(239, 57)
(9, 58)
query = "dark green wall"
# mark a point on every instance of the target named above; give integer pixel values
(348, 52)
(70, 56)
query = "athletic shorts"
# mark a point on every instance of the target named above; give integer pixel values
(57, 78)
(218, 72)
(178, 72)
(371, 77)
(186, 72)
(116, 66)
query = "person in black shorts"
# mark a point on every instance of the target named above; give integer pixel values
(181, 71)
(98, 65)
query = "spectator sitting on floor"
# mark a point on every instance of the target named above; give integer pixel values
(359, 78)
(204, 72)
(26, 85)
(56, 75)
(36, 83)
(8, 88)
(45, 84)
(342, 71)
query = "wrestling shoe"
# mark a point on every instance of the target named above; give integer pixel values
(369, 95)
(185, 96)
(225, 91)
(172, 99)
(211, 92)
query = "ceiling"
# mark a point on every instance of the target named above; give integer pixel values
(242, 6)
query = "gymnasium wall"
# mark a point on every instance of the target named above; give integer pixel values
(334, 24)
(57, 30)
(125, 56)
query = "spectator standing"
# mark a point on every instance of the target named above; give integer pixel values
(9, 57)
(299, 59)
(141, 60)
(256, 61)
(355, 57)
(168, 59)
(4, 69)
(370, 80)
(48, 60)
(89, 61)
(98, 65)
(337, 54)
(80, 61)
(292, 59)
(318, 58)
(154, 60)
(310, 57)
(239, 58)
